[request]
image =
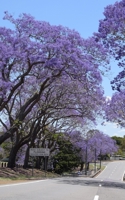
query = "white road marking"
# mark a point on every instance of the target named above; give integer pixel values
(15, 184)
(122, 176)
(96, 197)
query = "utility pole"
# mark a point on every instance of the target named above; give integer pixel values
(95, 159)
(86, 162)
(100, 159)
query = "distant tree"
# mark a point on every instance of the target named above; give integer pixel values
(93, 144)
(100, 144)
(120, 141)
(123, 144)
(67, 158)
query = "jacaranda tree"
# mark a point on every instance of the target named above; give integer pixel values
(92, 144)
(111, 33)
(36, 59)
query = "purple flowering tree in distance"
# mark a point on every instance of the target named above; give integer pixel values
(115, 108)
(102, 143)
(112, 34)
(91, 141)
(37, 59)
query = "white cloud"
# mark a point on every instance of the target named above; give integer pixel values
(111, 129)
(122, 131)
(115, 125)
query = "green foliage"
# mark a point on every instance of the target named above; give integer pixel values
(67, 158)
(120, 141)
(123, 144)
(7, 145)
(17, 122)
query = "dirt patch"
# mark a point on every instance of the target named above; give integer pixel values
(7, 181)
(8, 176)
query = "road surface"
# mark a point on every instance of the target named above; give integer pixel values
(113, 171)
(103, 187)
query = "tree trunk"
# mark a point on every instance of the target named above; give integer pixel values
(26, 158)
(12, 157)
(38, 162)
(82, 165)
(46, 162)
(87, 166)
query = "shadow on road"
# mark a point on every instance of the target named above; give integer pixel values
(92, 182)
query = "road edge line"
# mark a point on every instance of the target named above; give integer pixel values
(96, 197)
(24, 183)
(101, 171)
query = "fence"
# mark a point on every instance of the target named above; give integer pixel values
(3, 164)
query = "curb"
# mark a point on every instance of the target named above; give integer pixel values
(92, 176)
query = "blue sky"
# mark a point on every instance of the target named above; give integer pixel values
(81, 15)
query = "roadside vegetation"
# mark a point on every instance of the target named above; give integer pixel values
(120, 141)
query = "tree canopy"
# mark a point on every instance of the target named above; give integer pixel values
(111, 33)
(50, 82)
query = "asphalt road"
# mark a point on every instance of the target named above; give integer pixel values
(103, 187)
(113, 171)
